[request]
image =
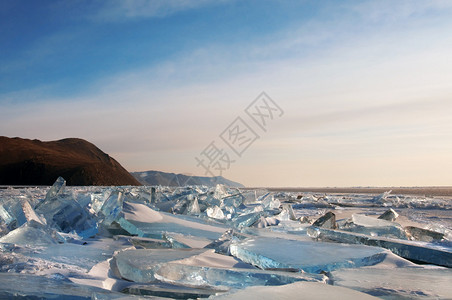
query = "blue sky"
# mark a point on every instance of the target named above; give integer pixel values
(365, 85)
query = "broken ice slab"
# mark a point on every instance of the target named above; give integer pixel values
(375, 227)
(220, 192)
(221, 245)
(287, 213)
(297, 290)
(27, 214)
(146, 243)
(309, 256)
(6, 218)
(234, 200)
(425, 235)
(18, 213)
(145, 222)
(415, 251)
(382, 196)
(76, 258)
(141, 265)
(186, 240)
(367, 221)
(247, 220)
(27, 286)
(384, 231)
(172, 291)
(66, 215)
(389, 215)
(198, 268)
(193, 207)
(56, 189)
(271, 203)
(264, 222)
(398, 283)
(28, 235)
(328, 220)
(215, 212)
(112, 207)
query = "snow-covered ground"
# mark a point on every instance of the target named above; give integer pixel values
(197, 242)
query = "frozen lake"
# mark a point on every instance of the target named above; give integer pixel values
(227, 243)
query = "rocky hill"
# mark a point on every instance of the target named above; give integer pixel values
(33, 162)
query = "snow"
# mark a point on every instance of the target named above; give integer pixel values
(123, 242)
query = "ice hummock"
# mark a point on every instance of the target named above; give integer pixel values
(112, 242)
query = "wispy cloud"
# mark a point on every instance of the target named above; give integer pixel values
(353, 97)
(116, 10)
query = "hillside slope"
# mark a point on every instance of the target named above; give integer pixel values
(32, 162)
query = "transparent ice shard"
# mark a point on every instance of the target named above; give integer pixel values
(112, 207)
(264, 222)
(221, 245)
(384, 231)
(25, 213)
(389, 215)
(312, 257)
(247, 220)
(198, 268)
(98, 199)
(234, 200)
(220, 192)
(148, 243)
(145, 222)
(27, 235)
(173, 291)
(179, 240)
(287, 213)
(375, 227)
(398, 283)
(382, 196)
(367, 221)
(79, 258)
(415, 251)
(193, 207)
(56, 189)
(141, 265)
(66, 214)
(425, 235)
(271, 203)
(6, 218)
(261, 223)
(215, 212)
(328, 220)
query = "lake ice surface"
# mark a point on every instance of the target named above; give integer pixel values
(227, 243)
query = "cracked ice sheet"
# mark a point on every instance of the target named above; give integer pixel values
(298, 290)
(67, 259)
(151, 223)
(309, 256)
(198, 268)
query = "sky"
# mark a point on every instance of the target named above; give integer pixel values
(356, 93)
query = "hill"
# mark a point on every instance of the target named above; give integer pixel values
(33, 162)
(171, 179)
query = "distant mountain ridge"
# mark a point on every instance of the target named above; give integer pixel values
(172, 179)
(33, 162)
